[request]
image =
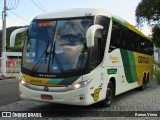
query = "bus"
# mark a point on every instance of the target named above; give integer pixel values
(82, 56)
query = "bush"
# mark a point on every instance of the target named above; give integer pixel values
(157, 74)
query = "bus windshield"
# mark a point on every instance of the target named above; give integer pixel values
(56, 46)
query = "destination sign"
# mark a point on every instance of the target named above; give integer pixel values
(45, 24)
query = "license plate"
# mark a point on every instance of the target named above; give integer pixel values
(46, 97)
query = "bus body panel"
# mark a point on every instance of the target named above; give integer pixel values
(92, 93)
(115, 68)
(127, 67)
(71, 97)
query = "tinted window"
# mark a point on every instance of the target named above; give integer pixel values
(104, 21)
(124, 38)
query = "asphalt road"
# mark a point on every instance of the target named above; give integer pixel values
(134, 100)
(8, 91)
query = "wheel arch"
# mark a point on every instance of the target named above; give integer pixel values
(112, 80)
(144, 76)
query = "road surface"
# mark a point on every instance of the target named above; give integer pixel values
(134, 100)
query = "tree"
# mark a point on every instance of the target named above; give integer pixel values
(19, 39)
(149, 10)
(18, 42)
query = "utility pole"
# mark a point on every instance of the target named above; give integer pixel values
(3, 55)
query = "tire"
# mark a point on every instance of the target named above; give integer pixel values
(109, 96)
(144, 85)
(147, 78)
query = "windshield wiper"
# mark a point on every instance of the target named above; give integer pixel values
(54, 56)
(45, 53)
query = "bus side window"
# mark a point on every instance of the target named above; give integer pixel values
(123, 44)
(137, 46)
(132, 39)
(104, 21)
(95, 58)
(112, 42)
(150, 48)
(115, 37)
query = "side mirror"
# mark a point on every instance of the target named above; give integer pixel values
(14, 33)
(90, 34)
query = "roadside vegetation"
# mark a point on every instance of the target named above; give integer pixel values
(157, 74)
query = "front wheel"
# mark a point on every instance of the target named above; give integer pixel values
(109, 96)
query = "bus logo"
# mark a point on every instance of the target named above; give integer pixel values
(143, 60)
(46, 88)
(114, 59)
(96, 94)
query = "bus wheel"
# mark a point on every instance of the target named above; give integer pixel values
(144, 84)
(147, 78)
(109, 96)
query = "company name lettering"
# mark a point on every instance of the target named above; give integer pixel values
(36, 81)
(46, 75)
(143, 59)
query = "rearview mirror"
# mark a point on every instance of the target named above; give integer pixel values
(90, 34)
(14, 33)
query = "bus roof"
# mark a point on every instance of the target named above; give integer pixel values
(79, 12)
(75, 12)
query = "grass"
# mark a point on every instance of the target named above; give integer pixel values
(157, 74)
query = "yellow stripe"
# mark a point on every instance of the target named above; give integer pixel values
(38, 81)
(114, 61)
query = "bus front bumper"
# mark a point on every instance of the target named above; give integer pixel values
(79, 96)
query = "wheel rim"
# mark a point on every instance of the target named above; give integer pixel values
(109, 95)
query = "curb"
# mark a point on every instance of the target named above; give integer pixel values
(7, 78)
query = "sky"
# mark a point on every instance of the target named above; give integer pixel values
(27, 10)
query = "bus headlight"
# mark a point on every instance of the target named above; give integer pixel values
(22, 80)
(81, 84)
(77, 85)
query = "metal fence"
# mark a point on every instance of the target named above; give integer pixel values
(13, 67)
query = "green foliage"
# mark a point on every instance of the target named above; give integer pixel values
(157, 74)
(19, 40)
(156, 35)
(149, 10)
(18, 43)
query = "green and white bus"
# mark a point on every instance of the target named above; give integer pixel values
(82, 56)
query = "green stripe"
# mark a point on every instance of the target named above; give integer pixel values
(129, 65)
(118, 20)
(63, 81)
(132, 66)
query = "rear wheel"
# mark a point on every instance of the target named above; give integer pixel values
(109, 96)
(147, 78)
(144, 84)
